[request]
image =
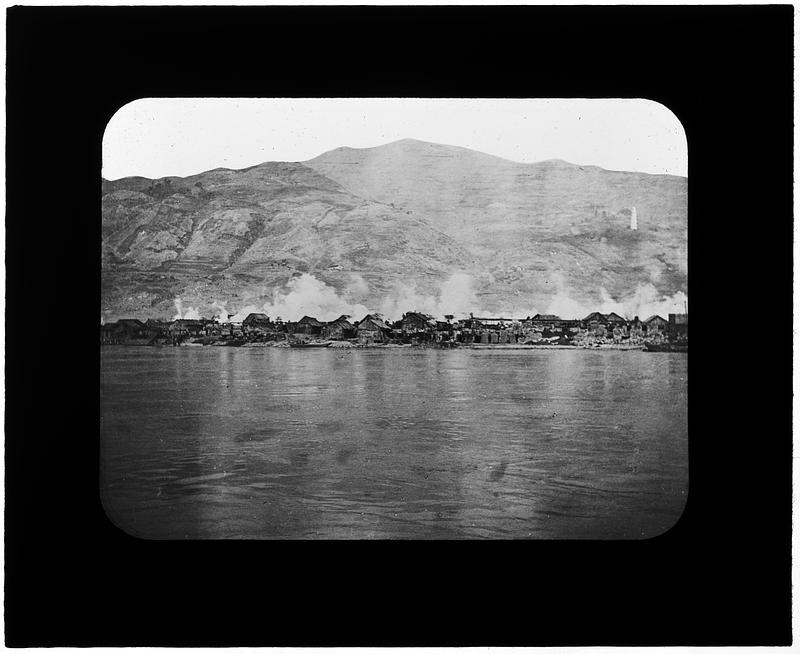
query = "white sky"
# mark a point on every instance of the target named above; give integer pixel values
(156, 137)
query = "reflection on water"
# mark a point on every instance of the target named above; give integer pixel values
(367, 443)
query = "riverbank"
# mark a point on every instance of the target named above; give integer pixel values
(461, 346)
(392, 346)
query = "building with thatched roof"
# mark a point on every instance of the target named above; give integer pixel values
(130, 328)
(186, 327)
(372, 328)
(545, 321)
(595, 317)
(414, 322)
(256, 322)
(123, 330)
(107, 332)
(474, 322)
(615, 319)
(156, 328)
(339, 329)
(309, 325)
(656, 323)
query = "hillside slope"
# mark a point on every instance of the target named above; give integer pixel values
(532, 227)
(234, 236)
(409, 213)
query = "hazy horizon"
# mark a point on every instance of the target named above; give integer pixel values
(181, 137)
(379, 145)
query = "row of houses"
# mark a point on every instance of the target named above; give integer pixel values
(413, 327)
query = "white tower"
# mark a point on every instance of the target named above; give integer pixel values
(634, 226)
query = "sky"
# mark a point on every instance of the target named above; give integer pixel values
(158, 137)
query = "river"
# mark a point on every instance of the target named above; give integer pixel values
(412, 443)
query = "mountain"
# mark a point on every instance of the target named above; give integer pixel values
(532, 227)
(407, 212)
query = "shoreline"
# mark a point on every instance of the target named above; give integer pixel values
(345, 345)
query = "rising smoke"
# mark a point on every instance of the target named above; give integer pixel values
(456, 296)
(644, 303)
(307, 295)
(189, 314)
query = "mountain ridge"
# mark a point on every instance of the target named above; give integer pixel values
(399, 141)
(407, 213)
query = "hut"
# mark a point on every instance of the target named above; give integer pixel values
(258, 323)
(414, 322)
(235, 329)
(655, 324)
(186, 327)
(470, 323)
(130, 329)
(372, 328)
(339, 329)
(156, 328)
(593, 319)
(542, 321)
(210, 326)
(308, 325)
(492, 323)
(679, 325)
(108, 333)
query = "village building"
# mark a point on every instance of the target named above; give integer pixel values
(469, 323)
(258, 323)
(214, 328)
(123, 331)
(594, 318)
(184, 327)
(679, 325)
(595, 324)
(636, 329)
(210, 326)
(155, 325)
(414, 322)
(309, 326)
(543, 321)
(108, 333)
(131, 328)
(656, 325)
(445, 330)
(372, 328)
(491, 323)
(232, 329)
(156, 329)
(339, 330)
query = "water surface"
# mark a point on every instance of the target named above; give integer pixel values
(216, 442)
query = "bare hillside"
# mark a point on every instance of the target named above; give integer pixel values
(409, 212)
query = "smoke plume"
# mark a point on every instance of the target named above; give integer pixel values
(307, 295)
(456, 296)
(644, 302)
(190, 314)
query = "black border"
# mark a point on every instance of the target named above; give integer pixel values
(720, 577)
